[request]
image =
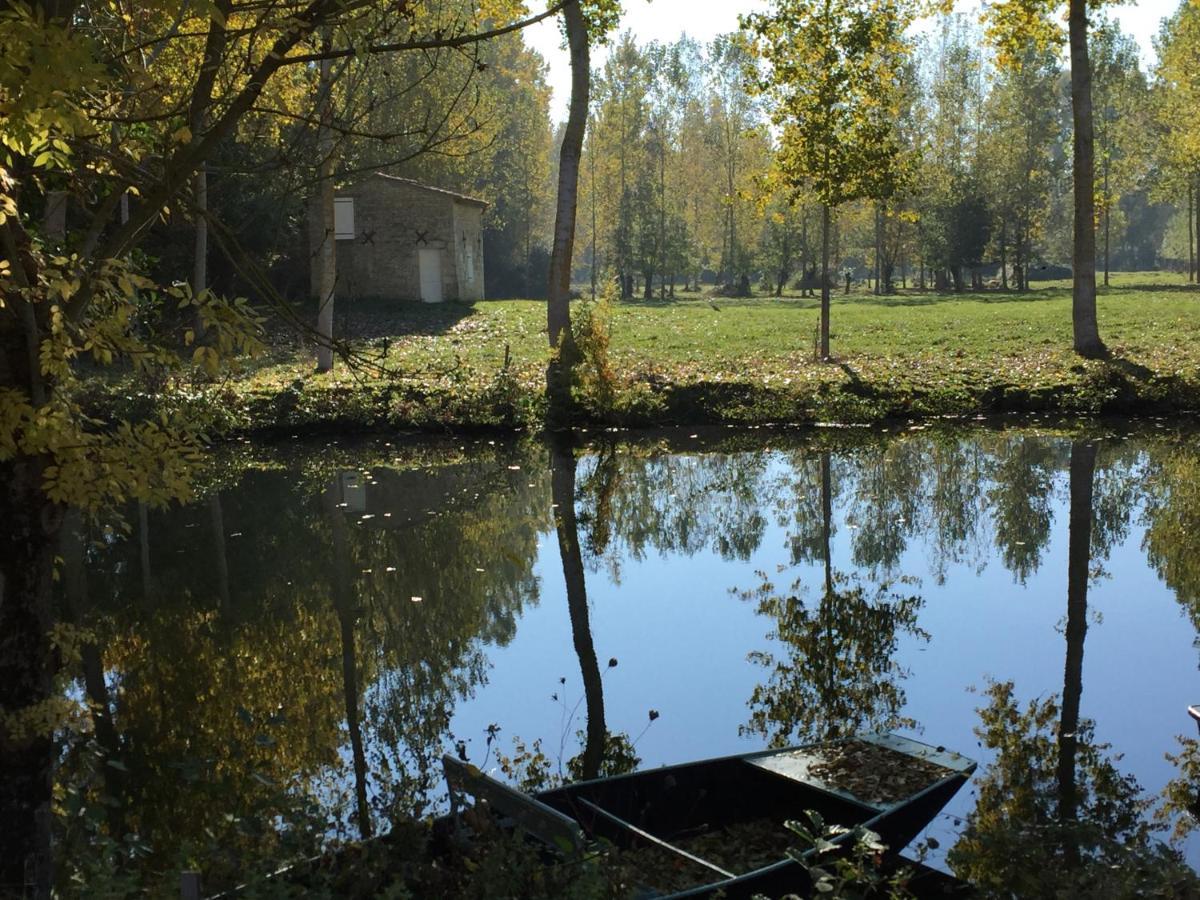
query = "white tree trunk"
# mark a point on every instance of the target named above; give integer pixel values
(327, 252)
(200, 261)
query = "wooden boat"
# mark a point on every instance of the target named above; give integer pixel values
(683, 816)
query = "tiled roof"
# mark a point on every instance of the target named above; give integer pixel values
(464, 198)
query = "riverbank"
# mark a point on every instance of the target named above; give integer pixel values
(697, 361)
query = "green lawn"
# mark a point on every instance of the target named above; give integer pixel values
(696, 360)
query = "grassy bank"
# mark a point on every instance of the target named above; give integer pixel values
(693, 360)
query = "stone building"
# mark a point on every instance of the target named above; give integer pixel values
(398, 239)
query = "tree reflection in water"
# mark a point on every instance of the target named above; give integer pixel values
(277, 665)
(562, 481)
(839, 674)
(286, 688)
(1055, 816)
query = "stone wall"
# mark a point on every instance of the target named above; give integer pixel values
(468, 243)
(393, 220)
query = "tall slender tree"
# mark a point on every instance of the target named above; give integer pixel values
(580, 25)
(831, 76)
(1014, 25)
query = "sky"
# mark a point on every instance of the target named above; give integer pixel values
(667, 20)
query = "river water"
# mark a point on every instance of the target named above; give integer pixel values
(285, 659)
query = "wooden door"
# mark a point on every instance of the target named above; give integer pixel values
(431, 275)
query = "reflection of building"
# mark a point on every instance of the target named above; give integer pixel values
(352, 493)
(399, 239)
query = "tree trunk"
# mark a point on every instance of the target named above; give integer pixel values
(1198, 235)
(144, 552)
(878, 250)
(28, 664)
(1004, 254)
(75, 611)
(327, 252)
(558, 308)
(832, 728)
(1191, 235)
(220, 557)
(1019, 261)
(1083, 466)
(200, 257)
(344, 607)
(562, 484)
(805, 256)
(592, 166)
(1083, 299)
(825, 215)
(662, 210)
(1107, 220)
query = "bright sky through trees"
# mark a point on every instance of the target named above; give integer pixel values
(667, 20)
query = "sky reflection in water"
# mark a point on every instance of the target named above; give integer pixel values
(413, 586)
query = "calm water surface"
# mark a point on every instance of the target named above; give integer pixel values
(286, 659)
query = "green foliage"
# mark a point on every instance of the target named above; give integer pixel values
(529, 768)
(595, 379)
(1177, 99)
(619, 757)
(1025, 838)
(833, 77)
(836, 675)
(1013, 26)
(845, 863)
(132, 323)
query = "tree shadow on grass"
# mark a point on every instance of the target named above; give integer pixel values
(932, 298)
(1129, 368)
(668, 302)
(857, 386)
(358, 320)
(1149, 287)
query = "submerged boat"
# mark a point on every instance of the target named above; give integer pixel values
(717, 826)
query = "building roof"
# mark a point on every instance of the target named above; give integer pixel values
(462, 198)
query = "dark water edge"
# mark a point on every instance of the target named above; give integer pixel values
(282, 662)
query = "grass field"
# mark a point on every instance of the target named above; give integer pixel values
(693, 359)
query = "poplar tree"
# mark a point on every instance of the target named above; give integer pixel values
(584, 21)
(831, 74)
(1177, 101)
(1014, 25)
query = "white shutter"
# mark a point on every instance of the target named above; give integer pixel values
(343, 218)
